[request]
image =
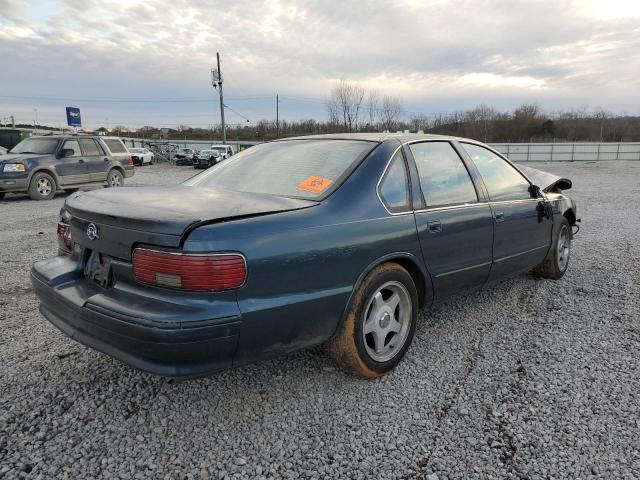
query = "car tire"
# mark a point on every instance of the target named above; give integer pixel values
(42, 186)
(69, 191)
(115, 179)
(2, 194)
(556, 262)
(379, 325)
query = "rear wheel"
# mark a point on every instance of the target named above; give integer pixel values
(115, 179)
(380, 323)
(42, 186)
(556, 262)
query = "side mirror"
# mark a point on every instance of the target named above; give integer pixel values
(66, 152)
(535, 191)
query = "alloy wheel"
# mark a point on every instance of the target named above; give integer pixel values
(44, 186)
(387, 321)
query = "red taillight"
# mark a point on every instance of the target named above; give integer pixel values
(130, 160)
(63, 232)
(186, 271)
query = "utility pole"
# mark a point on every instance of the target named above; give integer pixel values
(277, 116)
(216, 81)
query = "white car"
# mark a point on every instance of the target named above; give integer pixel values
(225, 151)
(142, 156)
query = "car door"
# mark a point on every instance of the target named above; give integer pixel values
(455, 228)
(522, 234)
(72, 169)
(96, 159)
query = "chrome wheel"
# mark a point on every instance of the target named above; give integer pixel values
(564, 247)
(44, 187)
(387, 321)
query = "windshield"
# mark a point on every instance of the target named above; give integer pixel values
(135, 150)
(36, 145)
(219, 149)
(295, 168)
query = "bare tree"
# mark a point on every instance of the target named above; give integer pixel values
(390, 112)
(373, 108)
(345, 103)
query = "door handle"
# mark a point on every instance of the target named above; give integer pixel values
(499, 217)
(435, 226)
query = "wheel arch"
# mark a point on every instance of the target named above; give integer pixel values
(47, 170)
(420, 275)
(116, 167)
(570, 215)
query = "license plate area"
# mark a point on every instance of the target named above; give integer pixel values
(98, 269)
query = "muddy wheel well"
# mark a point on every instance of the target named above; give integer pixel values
(417, 276)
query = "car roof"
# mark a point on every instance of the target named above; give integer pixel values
(65, 135)
(377, 137)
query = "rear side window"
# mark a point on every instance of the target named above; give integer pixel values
(293, 168)
(443, 177)
(394, 189)
(503, 182)
(90, 147)
(115, 145)
(72, 145)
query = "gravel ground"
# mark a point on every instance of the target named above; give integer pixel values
(531, 379)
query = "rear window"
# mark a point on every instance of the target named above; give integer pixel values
(295, 168)
(90, 147)
(115, 145)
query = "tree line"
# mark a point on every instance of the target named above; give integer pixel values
(352, 108)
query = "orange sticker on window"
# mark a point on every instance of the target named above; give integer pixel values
(314, 184)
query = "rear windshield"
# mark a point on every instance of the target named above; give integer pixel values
(36, 145)
(115, 145)
(294, 168)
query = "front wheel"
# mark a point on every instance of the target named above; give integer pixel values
(380, 323)
(42, 187)
(556, 262)
(115, 179)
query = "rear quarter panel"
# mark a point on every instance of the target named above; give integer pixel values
(303, 265)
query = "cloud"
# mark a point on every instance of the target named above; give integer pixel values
(439, 55)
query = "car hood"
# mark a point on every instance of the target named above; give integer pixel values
(547, 182)
(172, 210)
(19, 157)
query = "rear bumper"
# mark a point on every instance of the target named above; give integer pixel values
(158, 344)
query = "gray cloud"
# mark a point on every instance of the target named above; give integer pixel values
(437, 55)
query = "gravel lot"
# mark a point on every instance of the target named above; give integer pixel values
(531, 379)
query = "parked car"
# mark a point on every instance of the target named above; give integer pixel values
(42, 165)
(225, 151)
(206, 158)
(141, 156)
(184, 156)
(335, 239)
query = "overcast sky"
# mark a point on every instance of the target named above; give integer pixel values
(148, 62)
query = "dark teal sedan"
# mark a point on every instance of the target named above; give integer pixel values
(336, 240)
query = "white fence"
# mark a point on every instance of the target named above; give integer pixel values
(568, 152)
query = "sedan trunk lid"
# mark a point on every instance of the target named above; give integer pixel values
(160, 215)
